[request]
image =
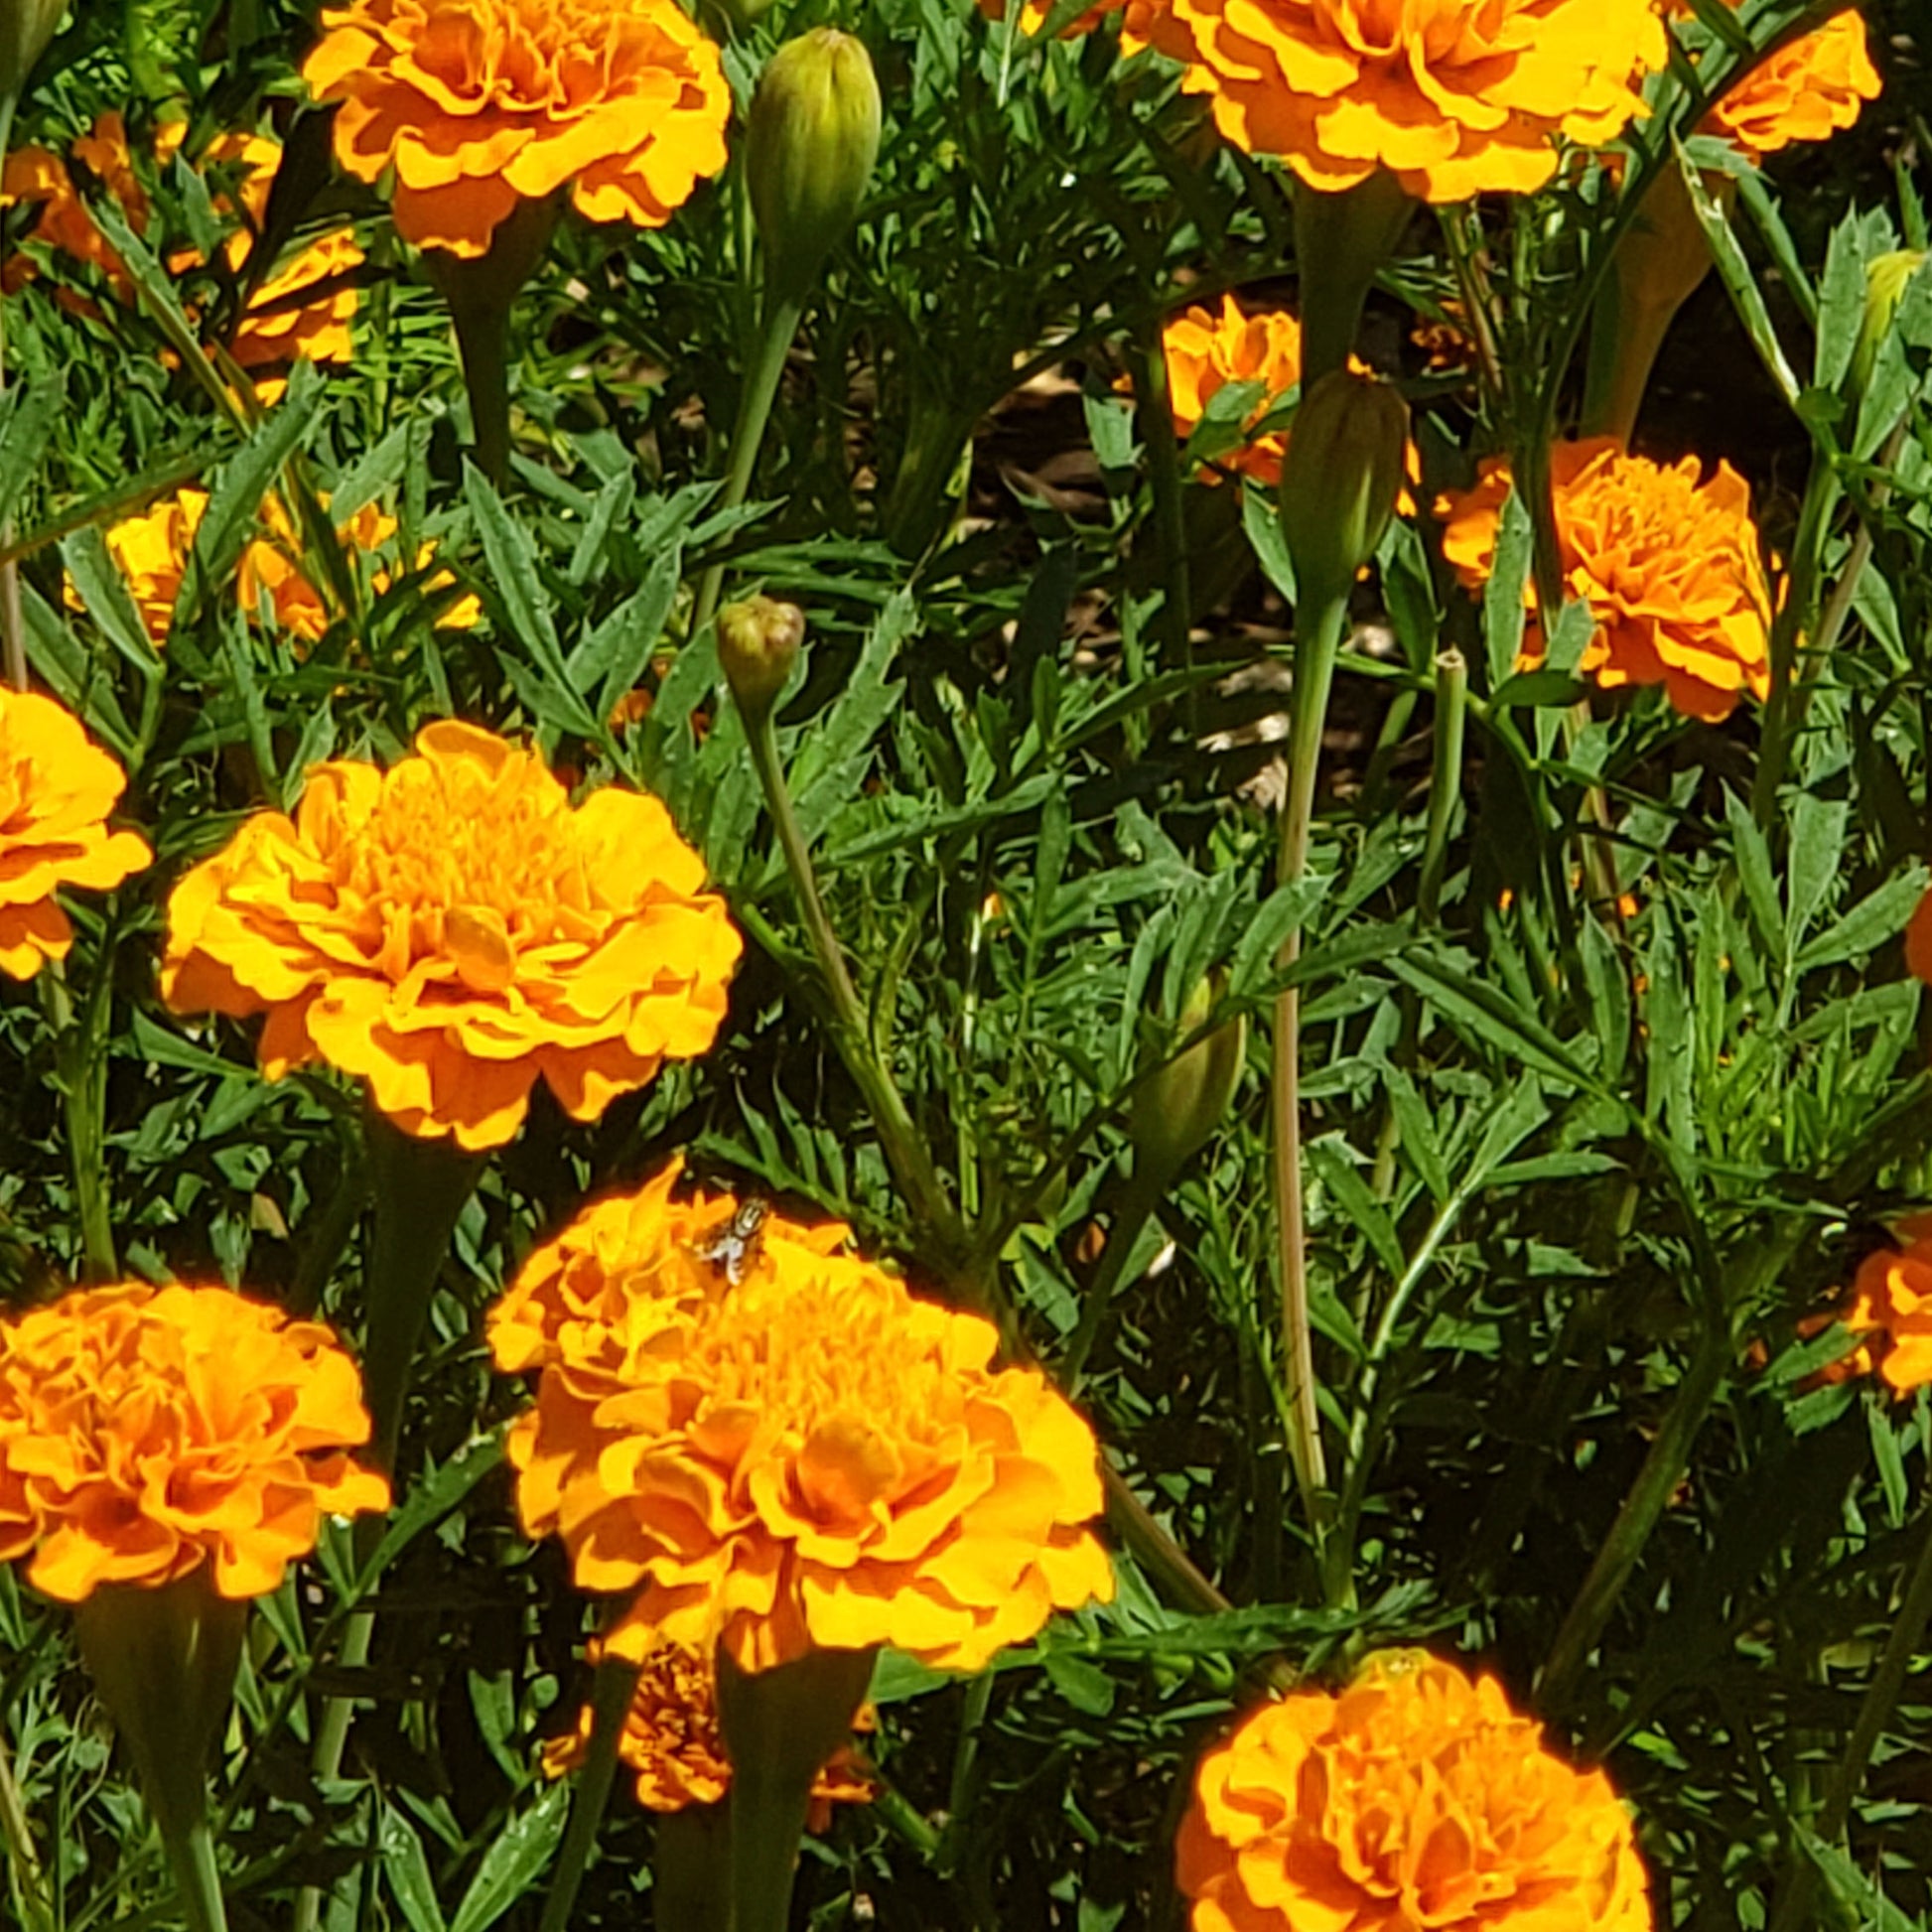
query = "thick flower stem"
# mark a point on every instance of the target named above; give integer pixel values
(1649, 1496)
(1146, 1190)
(1153, 413)
(693, 1848)
(483, 337)
(777, 324)
(610, 1693)
(81, 1057)
(781, 1725)
(1340, 243)
(1874, 1712)
(420, 1187)
(906, 1151)
(1315, 669)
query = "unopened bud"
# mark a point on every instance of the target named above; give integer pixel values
(1180, 1106)
(1340, 478)
(758, 644)
(810, 142)
(26, 26)
(1886, 281)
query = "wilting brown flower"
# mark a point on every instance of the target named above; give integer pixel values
(1666, 557)
(145, 1433)
(779, 1449)
(1414, 1801)
(672, 1741)
(57, 788)
(479, 105)
(1454, 97)
(455, 930)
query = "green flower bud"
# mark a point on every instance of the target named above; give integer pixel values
(1177, 1110)
(1339, 478)
(1886, 281)
(809, 147)
(758, 644)
(26, 26)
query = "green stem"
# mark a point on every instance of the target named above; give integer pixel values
(1340, 243)
(1154, 414)
(693, 1848)
(1445, 781)
(1169, 1566)
(419, 1189)
(1823, 490)
(12, 622)
(1315, 667)
(1649, 1496)
(614, 1685)
(198, 1879)
(482, 331)
(906, 1151)
(1146, 1190)
(777, 324)
(22, 1859)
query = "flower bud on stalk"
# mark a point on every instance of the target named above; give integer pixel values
(1177, 1110)
(1340, 480)
(26, 26)
(758, 644)
(1886, 281)
(810, 143)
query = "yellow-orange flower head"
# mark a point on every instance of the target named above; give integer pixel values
(1667, 559)
(1807, 91)
(672, 1741)
(57, 788)
(1205, 352)
(454, 930)
(804, 1458)
(1890, 1307)
(1416, 1799)
(147, 1432)
(478, 105)
(1454, 97)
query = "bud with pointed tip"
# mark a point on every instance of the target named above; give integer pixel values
(1341, 478)
(1177, 1110)
(1886, 281)
(26, 26)
(758, 644)
(810, 142)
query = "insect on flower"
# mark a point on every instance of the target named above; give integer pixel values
(734, 1249)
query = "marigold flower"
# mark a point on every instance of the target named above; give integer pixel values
(1806, 91)
(478, 105)
(153, 548)
(1205, 352)
(1890, 1307)
(455, 930)
(805, 1458)
(672, 1741)
(1454, 97)
(278, 326)
(146, 1431)
(57, 788)
(1414, 1798)
(1666, 557)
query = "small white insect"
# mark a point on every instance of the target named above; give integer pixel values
(733, 1250)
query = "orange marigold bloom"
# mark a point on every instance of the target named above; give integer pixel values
(1414, 1799)
(1205, 352)
(672, 1741)
(806, 1458)
(279, 326)
(1034, 14)
(146, 1431)
(1667, 559)
(1806, 91)
(1454, 97)
(480, 103)
(57, 788)
(455, 930)
(1890, 1306)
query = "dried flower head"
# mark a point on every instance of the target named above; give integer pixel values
(672, 1741)
(302, 309)
(1666, 557)
(1414, 1799)
(1454, 97)
(454, 930)
(57, 788)
(478, 105)
(1807, 91)
(146, 1431)
(807, 1457)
